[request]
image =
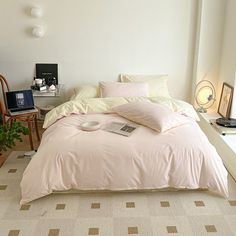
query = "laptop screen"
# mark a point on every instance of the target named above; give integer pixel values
(20, 100)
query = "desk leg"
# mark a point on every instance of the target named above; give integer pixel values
(2, 159)
(30, 134)
(36, 128)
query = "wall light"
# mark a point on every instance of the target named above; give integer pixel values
(38, 31)
(36, 12)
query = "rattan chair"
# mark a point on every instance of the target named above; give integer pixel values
(30, 118)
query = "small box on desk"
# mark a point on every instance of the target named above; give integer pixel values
(39, 88)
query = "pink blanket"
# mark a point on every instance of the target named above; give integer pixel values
(69, 158)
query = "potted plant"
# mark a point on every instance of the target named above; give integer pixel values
(9, 134)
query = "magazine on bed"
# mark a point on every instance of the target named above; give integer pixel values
(125, 129)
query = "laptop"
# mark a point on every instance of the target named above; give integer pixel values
(20, 102)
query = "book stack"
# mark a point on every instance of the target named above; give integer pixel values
(221, 129)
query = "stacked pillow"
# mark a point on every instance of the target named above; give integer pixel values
(157, 83)
(118, 89)
(130, 86)
(85, 91)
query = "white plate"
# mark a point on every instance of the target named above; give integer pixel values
(90, 126)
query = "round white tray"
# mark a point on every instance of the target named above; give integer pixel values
(90, 126)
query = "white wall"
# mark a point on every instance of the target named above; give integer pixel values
(228, 58)
(228, 54)
(97, 40)
(211, 17)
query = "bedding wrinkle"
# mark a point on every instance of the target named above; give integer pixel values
(106, 164)
(139, 168)
(70, 181)
(169, 165)
(195, 166)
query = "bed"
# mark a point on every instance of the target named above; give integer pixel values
(69, 158)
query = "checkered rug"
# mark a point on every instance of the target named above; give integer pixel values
(184, 213)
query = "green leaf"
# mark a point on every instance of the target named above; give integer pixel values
(8, 135)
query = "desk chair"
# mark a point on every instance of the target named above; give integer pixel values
(29, 118)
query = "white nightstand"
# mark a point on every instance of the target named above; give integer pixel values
(224, 144)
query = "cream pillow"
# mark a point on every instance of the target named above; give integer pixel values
(157, 83)
(85, 91)
(117, 89)
(152, 115)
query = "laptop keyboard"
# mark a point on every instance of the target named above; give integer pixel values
(23, 112)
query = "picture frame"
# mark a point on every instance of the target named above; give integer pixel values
(49, 72)
(226, 98)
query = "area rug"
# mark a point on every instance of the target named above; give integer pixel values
(184, 213)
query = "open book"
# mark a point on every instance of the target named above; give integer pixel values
(125, 129)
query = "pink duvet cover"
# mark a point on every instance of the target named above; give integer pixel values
(69, 158)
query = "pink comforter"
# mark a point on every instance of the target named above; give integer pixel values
(69, 158)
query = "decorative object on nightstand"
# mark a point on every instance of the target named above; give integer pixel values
(222, 129)
(205, 95)
(224, 108)
(27, 117)
(39, 84)
(49, 92)
(46, 78)
(225, 100)
(49, 72)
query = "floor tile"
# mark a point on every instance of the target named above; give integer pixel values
(54, 227)
(94, 226)
(166, 225)
(130, 204)
(132, 226)
(213, 225)
(17, 227)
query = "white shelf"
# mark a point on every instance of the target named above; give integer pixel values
(48, 93)
(229, 139)
(224, 144)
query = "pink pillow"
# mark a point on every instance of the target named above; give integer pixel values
(117, 89)
(151, 115)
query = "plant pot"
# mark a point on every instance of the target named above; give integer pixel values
(2, 159)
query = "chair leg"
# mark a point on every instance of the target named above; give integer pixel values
(36, 128)
(30, 134)
(11, 120)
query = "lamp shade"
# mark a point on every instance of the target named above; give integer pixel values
(204, 95)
